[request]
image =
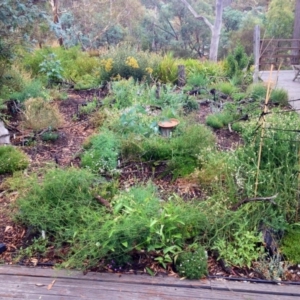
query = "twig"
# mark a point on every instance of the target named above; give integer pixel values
(103, 202)
(235, 207)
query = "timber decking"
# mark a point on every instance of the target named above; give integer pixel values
(35, 283)
(284, 80)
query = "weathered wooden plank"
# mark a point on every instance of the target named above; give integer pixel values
(32, 283)
(122, 291)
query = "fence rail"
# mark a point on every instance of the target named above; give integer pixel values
(279, 52)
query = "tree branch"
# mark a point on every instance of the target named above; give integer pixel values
(199, 17)
(235, 207)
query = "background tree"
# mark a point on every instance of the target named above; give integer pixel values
(296, 31)
(279, 19)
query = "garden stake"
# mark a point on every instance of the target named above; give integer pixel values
(263, 129)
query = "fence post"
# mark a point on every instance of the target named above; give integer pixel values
(256, 51)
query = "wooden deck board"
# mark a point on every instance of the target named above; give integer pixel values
(32, 283)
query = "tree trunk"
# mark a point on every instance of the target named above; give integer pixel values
(216, 31)
(296, 34)
(54, 5)
(214, 28)
(296, 31)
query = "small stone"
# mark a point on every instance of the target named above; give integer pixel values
(3, 248)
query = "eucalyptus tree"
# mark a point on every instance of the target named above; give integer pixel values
(170, 28)
(94, 23)
(214, 26)
(280, 18)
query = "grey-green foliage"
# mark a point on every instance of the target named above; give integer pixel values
(17, 17)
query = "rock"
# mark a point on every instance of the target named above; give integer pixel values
(4, 134)
(3, 248)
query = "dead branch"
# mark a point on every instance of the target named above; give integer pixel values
(103, 202)
(247, 200)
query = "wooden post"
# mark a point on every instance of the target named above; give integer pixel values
(256, 51)
(181, 75)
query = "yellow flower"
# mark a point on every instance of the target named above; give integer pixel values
(132, 62)
(108, 64)
(149, 70)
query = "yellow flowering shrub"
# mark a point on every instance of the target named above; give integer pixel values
(107, 64)
(132, 62)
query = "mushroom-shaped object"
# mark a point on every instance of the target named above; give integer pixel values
(167, 126)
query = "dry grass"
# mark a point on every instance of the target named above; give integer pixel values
(40, 114)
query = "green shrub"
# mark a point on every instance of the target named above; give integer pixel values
(290, 247)
(167, 71)
(257, 91)
(33, 89)
(242, 250)
(54, 204)
(74, 64)
(219, 120)
(279, 96)
(192, 264)
(226, 87)
(12, 159)
(88, 108)
(102, 156)
(212, 71)
(125, 62)
(237, 61)
(51, 68)
(49, 136)
(181, 151)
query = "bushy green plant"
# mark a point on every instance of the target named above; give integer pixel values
(219, 120)
(12, 159)
(196, 79)
(49, 136)
(102, 156)
(167, 71)
(237, 61)
(279, 96)
(213, 71)
(257, 91)
(226, 87)
(289, 247)
(192, 264)
(88, 108)
(74, 63)
(51, 67)
(58, 199)
(181, 151)
(242, 250)
(125, 62)
(33, 89)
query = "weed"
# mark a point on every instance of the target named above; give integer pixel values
(12, 159)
